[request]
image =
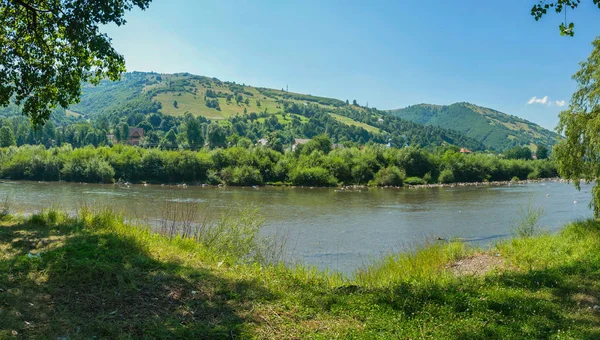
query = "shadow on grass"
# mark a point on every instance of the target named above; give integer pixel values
(106, 285)
(537, 304)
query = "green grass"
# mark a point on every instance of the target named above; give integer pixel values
(196, 105)
(350, 121)
(98, 277)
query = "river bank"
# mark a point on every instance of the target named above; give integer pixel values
(328, 228)
(95, 276)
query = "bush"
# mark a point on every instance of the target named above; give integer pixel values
(390, 176)
(415, 181)
(242, 175)
(312, 177)
(535, 174)
(446, 177)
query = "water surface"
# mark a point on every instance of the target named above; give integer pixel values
(332, 228)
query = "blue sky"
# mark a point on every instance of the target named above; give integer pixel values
(390, 54)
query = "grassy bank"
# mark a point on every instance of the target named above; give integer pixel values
(97, 277)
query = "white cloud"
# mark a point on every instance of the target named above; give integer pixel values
(536, 100)
(560, 103)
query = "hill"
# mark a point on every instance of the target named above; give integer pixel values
(496, 130)
(260, 110)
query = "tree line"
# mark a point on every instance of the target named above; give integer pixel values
(311, 164)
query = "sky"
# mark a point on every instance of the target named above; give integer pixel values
(389, 54)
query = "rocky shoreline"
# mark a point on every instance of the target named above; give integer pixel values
(465, 184)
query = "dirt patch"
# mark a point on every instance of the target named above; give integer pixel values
(584, 300)
(477, 265)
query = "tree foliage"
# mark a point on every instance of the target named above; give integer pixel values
(251, 165)
(578, 155)
(559, 6)
(49, 47)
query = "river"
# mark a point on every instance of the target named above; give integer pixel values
(332, 228)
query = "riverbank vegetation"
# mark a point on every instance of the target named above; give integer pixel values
(311, 164)
(94, 276)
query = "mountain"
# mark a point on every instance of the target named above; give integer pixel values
(261, 110)
(496, 130)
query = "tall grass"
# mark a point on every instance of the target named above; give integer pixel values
(233, 236)
(528, 222)
(425, 264)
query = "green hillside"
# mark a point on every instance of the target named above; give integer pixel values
(496, 130)
(252, 112)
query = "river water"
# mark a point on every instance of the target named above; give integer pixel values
(332, 228)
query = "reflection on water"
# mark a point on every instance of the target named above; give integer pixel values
(332, 228)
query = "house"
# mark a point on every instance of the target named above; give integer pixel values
(533, 155)
(337, 146)
(135, 135)
(111, 138)
(262, 141)
(299, 141)
(465, 150)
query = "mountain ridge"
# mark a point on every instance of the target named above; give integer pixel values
(493, 128)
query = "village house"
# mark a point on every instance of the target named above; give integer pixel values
(262, 141)
(299, 141)
(135, 135)
(465, 150)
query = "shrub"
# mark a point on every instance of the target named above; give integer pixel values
(389, 176)
(312, 177)
(212, 177)
(535, 174)
(415, 181)
(446, 176)
(241, 175)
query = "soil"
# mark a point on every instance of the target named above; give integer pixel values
(477, 265)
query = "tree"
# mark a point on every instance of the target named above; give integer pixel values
(175, 104)
(125, 132)
(169, 141)
(216, 136)
(518, 152)
(146, 126)
(354, 102)
(542, 152)
(193, 132)
(7, 138)
(320, 142)
(155, 120)
(541, 9)
(578, 153)
(274, 141)
(50, 47)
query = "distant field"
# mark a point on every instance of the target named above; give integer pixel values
(193, 102)
(349, 121)
(190, 98)
(72, 113)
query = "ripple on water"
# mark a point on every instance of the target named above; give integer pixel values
(186, 200)
(404, 207)
(110, 193)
